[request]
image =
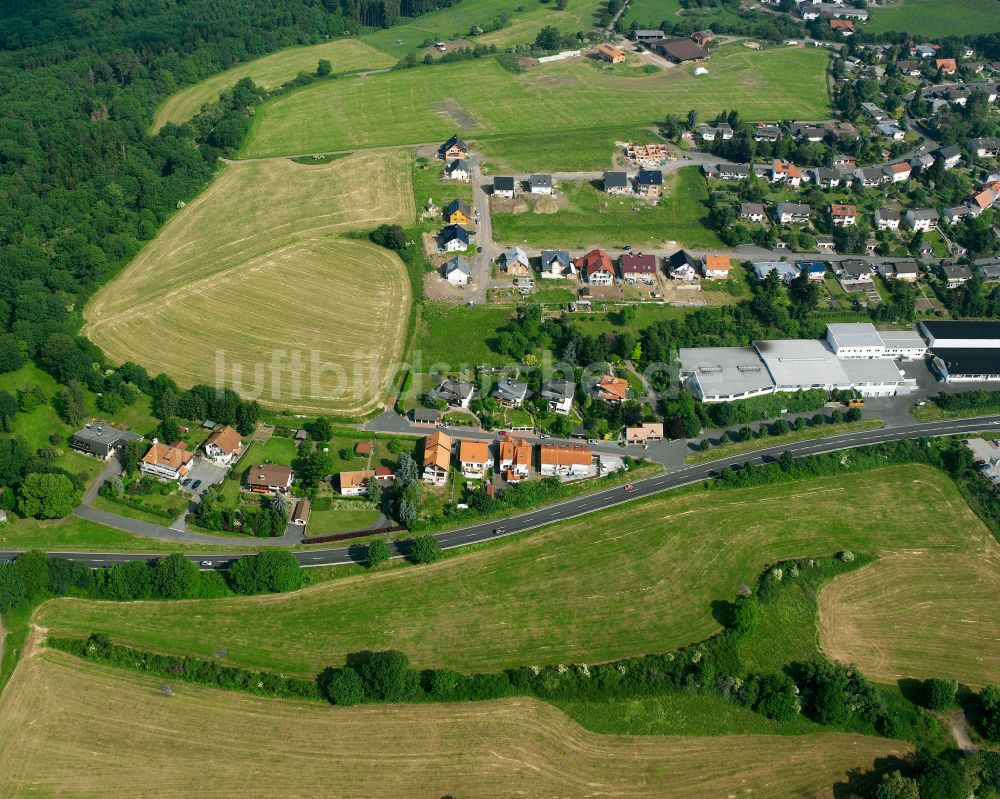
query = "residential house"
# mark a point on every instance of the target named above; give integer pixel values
(947, 65)
(876, 113)
(792, 213)
(924, 50)
(610, 53)
(597, 268)
(721, 131)
(457, 212)
(683, 266)
(807, 132)
(786, 272)
(887, 219)
(907, 271)
(731, 172)
(166, 462)
(717, 267)
(989, 269)
(474, 458)
(769, 133)
(515, 459)
(224, 446)
(920, 163)
(353, 484)
(457, 393)
(985, 199)
(453, 148)
(269, 478)
(504, 186)
(510, 393)
(680, 50)
(815, 269)
(853, 273)
(912, 69)
(951, 155)
(845, 27)
(556, 264)
(898, 173)
(826, 178)
(843, 215)
(565, 460)
(956, 274)
(752, 212)
(454, 238)
(514, 261)
(784, 172)
(921, 219)
(559, 395)
(437, 458)
(638, 268)
(617, 183)
(644, 433)
(457, 271)
(870, 176)
(610, 389)
(100, 439)
(649, 183)
(960, 212)
(458, 169)
(540, 184)
(986, 147)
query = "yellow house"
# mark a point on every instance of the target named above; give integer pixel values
(458, 212)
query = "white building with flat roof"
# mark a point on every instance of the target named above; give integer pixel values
(903, 345)
(802, 364)
(723, 374)
(874, 377)
(855, 340)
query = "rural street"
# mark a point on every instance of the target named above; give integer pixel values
(599, 500)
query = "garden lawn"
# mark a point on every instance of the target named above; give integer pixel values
(937, 18)
(344, 55)
(276, 450)
(325, 522)
(559, 595)
(530, 119)
(590, 218)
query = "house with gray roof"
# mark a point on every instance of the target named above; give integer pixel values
(540, 184)
(556, 264)
(100, 439)
(504, 186)
(510, 393)
(559, 395)
(457, 393)
(792, 213)
(457, 271)
(617, 183)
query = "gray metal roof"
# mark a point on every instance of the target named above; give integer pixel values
(802, 363)
(726, 371)
(854, 334)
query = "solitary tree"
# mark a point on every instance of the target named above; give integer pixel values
(47, 496)
(378, 551)
(342, 686)
(323, 68)
(426, 549)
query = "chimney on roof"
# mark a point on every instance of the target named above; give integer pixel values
(155, 442)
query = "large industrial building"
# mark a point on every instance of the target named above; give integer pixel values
(964, 352)
(851, 357)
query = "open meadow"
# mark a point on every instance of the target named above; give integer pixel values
(593, 589)
(919, 614)
(56, 741)
(255, 270)
(344, 55)
(587, 217)
(524, 19)
(937, 18)
(534, 119)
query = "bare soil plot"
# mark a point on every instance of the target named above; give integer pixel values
(344, 55)
(919, 613)
(255, 271)
(70, 728)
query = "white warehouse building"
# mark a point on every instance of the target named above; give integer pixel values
(723, 374)
(862, 340)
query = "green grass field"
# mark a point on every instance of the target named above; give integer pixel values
(451, 335)
(937, 18)
(344, 55)
(650, 13)
(535, 119)
(324, 522)
(560, 595)
(455, 23)
(590, 218)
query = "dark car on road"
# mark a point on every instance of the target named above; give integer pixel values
(195, 485)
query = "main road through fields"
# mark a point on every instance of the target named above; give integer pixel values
(599, 500)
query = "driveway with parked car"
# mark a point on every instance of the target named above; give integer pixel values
(204, 473)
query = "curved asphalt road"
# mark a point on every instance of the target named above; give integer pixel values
(599, 500)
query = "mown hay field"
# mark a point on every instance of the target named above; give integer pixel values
(255, 272)
(344, 55)
(937, 18)
(72, 729)
(531, 119)
(593, 589)
(919, 614)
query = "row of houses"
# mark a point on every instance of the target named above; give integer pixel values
(647, 183)
(513, 393)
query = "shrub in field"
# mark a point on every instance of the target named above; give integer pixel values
(341, 686)
(387, 676)
(940, 694)
(425, 549)
(378, 552)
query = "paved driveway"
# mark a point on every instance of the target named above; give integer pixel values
(208, 472)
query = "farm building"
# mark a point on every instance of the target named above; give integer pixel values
(610, 53)
(680, 51)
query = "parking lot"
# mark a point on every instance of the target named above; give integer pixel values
(987, 456)
(204, 473)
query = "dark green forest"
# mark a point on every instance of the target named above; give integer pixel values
(82, 184)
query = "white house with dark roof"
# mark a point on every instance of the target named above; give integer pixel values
(559, 395)
(510, 393)
(617, 183)
(504, 186)
(540, 184)
(457, 271)
(458, 169)
(454, 238)
(792, 213)
(556, 265)
(887, 219)
(922, 219)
